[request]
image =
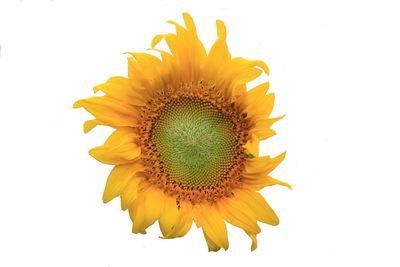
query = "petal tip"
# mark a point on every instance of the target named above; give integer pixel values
(221, 30)
(156, 40)
(77, 104)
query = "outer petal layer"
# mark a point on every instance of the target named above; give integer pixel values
(235, 212)
(121, 89)
(208, 217)
(256, 202)
(146, 209)
(109, 111)
(119, 178)
(120, 148)
(176, 221)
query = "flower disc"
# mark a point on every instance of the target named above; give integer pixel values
(195, 141)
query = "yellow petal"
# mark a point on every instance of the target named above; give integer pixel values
(266, 105)
(90, 124)
(263, 164)
(261, 107)
(235, 74)
(183, 221)
(120, 148)
(109, 111)
(136, 212)
(261, 127)
(256, 202)
(210, 244)
(257, 181)
(213, 225)
(118, 179)
(144, 72)
(169, 38)
(254, 94)
(219, 54)
(234, 212)
(272, 181)
(154, 203)
(130, 193)
(189, 23)
(257, 92)
(169, 216)
(252, 145)
(264, 134)
(169, 72)
(146, 209)
(121, 89)
(187, 49)
(156, 40)
(254, 240)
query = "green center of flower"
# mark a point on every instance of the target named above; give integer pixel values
(195, 141)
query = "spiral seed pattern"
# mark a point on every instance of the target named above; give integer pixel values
(192, 143)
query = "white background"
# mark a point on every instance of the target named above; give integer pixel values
(335, 71)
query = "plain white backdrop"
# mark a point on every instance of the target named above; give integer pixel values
(335, 71)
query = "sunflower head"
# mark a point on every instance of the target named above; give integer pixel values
(185, 145)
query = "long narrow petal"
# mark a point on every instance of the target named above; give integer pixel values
(257, 181)
(183, 221)
(121, 89)
(219, 51)
(186, 48)
(263, 164)
(169, 216)
(145, 70)
(120, 148)
(256, 202)
(130, 193)
(118, 180)
(262, 107)
(253, 239)
(90, 124)
(146, 209)
(213, 225)
(253, 95)
(109, 111)
(239, 71)
(219, 54)
(210, 243)
(261, 127)
(235, 212)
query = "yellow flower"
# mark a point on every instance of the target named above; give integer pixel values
(185, 145)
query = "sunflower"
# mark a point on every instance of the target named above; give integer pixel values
(187, 131)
